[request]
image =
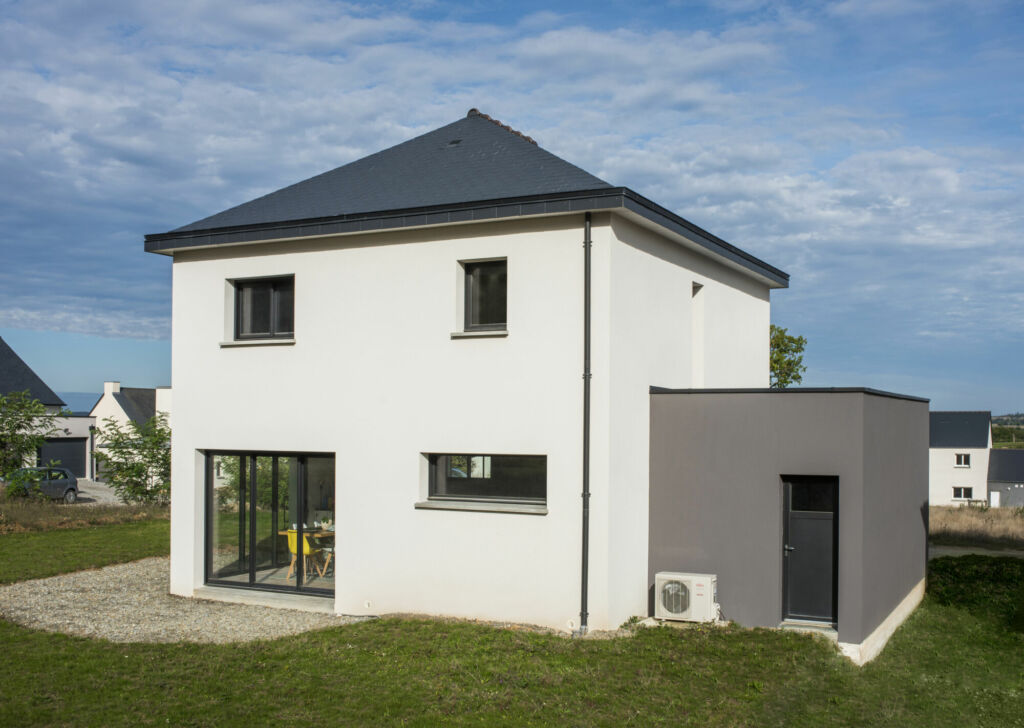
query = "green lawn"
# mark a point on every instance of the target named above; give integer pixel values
(45, 553)
(959, 660)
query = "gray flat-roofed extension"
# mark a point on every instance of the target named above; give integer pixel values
(951, 429)
(718, 462)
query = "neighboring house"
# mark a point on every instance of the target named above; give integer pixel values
(127, 404)
(958, 447)
(72, 444)
(420, 383)
(1006, 478)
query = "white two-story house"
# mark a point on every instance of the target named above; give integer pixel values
(958, 454)
(420, 382)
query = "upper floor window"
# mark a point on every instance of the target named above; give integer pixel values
(265, 308)
(963, 460)
(486, 289)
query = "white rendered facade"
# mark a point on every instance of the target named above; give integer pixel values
(376, 377)
(945, 475)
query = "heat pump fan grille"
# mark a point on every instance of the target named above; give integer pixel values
(675, 597)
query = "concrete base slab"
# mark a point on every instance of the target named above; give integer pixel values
(300, 602)
(807, 627)
(864, 652)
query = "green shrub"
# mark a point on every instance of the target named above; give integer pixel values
(987, 587)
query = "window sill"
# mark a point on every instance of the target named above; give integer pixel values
(964, 467)
(257, 342)
(485, 334)
(532, 509)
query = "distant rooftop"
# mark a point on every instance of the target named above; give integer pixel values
(1006, 466)
(17, 376)
(959, 429)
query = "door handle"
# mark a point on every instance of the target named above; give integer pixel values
(787, 548)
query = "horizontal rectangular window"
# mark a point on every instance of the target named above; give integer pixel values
(963, 493)
(508, 478)
(265, 308)
(963, 460)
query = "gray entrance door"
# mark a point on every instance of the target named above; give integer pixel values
(68, 451)
(810, 548)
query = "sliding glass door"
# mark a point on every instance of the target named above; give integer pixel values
(270, 521)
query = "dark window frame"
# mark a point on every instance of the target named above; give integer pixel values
(469, 267)
(436, 461)
(248, 483)
(963, 460)
(966, 492)
(277, 285)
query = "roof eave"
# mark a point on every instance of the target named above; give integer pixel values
(611, 199)
(790, 390)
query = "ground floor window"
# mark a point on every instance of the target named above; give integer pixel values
(963, 493)
(270, 520)
(506, 478)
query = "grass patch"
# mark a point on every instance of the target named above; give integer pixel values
(35, 555)
(976, 526)
(954, 662)
(19, 514)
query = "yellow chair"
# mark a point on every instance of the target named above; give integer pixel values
(310, 555)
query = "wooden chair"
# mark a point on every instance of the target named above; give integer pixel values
(310, 554)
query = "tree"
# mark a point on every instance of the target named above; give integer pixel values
(24, 426)
(137, 459)
(787, 360)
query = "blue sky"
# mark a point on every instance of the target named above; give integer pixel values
(873, 149)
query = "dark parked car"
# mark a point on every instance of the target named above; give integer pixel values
(53, 482)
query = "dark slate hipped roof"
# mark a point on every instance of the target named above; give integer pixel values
(1006, 466)
(475, 169)
(959, 429)
(17, 376)
(474, 158)
(139, 404)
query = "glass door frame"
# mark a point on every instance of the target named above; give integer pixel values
(249, 544)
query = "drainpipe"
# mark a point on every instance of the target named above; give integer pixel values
(585, 561)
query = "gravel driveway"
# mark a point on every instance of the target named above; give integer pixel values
(89, 491)
(130, 603)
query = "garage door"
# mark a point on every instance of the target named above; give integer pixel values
(70, 451)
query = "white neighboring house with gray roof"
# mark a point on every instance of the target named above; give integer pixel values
(482, 323)
(958, 454)
(127, 404)
(71, 444)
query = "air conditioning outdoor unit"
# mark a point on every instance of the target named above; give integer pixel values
(686, 597)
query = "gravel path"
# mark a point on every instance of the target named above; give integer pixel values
(130, 603)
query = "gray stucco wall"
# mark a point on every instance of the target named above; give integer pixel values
(895, 515)
(716, 494)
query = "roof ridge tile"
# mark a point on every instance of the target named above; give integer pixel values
(476, 112)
